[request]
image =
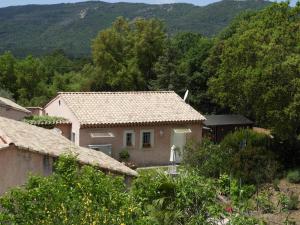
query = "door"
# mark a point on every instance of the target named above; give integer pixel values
(179, 140)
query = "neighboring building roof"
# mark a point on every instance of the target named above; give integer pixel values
(46, 120)
(94, 108)
(263, 131)
(43, 141)
(221, 120)
(10, 104)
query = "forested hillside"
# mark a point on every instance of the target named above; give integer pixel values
(41, 29)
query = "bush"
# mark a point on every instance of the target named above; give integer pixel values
(293, 176)
(207, 157)
(293, 202)
(240, 195)
(124, 155)
(238, 140)
(264, 202)
(186, 199)
(254, 165)
(243, 154)
(250, 159)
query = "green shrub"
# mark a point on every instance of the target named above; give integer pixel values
(293, 202)
(293, 176)
(186, 199)
(264, 202)
(243, 138)
(275, 183)
(289, 202)
(124, 155)
(254, 165)
(224, 184)
(207, 157)
(240, 195)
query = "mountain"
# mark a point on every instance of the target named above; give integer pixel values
(39, 29)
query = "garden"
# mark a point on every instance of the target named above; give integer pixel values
(238, 181)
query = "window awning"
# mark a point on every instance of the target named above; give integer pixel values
(182, 131)
(102, 135)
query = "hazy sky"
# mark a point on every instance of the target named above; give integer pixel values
(4, 3)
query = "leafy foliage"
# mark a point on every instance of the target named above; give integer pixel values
(6, 94)
(293, 176)
(85, 195)
(124, 155)
(125, 53)
(180, 68)
(186, 199)
(244, 154)
(209, 159)
(255, 68)
(70, 196)
(43, 119)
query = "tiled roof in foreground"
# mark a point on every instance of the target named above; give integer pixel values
(129, 107)
(10, 104)
(47, 142)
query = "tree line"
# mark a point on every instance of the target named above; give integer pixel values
(251, 67)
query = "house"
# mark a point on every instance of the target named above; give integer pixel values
(12, 110)
(38, 111)
(216, 127)
(25, 149)
(146, 124)
(60, 125)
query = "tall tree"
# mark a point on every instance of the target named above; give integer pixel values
(7, 72)
(180, 68)
(125, 53)
(255, 68)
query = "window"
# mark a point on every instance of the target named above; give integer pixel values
(129, 138)
(73, 137)
(47, 165)
(147, 139)
(105, 148)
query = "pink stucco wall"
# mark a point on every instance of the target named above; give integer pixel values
(12, 113)
(159, 154)
(16, 165)
(66, 130)
(59, 108)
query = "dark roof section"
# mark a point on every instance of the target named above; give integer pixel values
(222, 120)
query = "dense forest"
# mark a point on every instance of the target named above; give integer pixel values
(37, 29)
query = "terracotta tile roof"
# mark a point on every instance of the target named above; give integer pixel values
(129, 107)
(10, 104)
(43, 141)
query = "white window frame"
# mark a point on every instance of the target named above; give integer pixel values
(125, 138)
(151, 131)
